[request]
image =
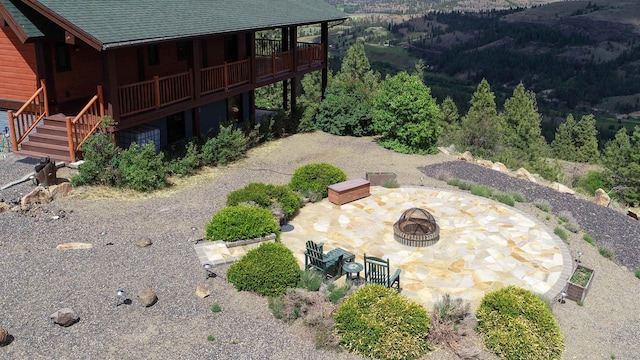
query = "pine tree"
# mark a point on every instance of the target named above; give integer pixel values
(522, 130)
(586, 140)
(562, 144)
(480, 127)
(449, 111)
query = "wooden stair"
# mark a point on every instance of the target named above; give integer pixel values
(49, 139)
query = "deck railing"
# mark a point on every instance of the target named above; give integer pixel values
(154, 94)
(85, 123)
(270, 61)
(23, 121)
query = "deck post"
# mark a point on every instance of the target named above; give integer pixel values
(46, 99)
(12, 130)
(72, 152)
(156, 89)
(324, 40)
(225, 75)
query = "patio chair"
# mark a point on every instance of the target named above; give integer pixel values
(377, 271)
(330, 264)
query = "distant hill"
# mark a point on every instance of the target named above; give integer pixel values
(417, 7)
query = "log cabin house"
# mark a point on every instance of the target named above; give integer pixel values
(170, 69)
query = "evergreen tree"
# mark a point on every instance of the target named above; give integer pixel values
(480, 127)
(562, 144)
(522, 134)
(586, 140)
(348, 104)
(449, 111)
(621, 157)
(577, 141)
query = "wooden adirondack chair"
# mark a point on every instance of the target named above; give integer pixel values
(377, 271)
(330, 264)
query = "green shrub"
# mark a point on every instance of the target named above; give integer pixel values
(561, 233)
(516, 324)
(517, 196)
(381, 323)
(189, 163)
(265, 195)
(228, 146)
(140, 168)
(390, 183)
(637, 273)
(268, 270)
(316, 177)
(482, 190)
(241, 222)
(210, 337)
(276, 304)
(605, 252)
(542, 204)
(310, 280)
(589, 239)
(504, 198)
(593, 181)
(98, 151)
(216, 308)
(460, 184)
(338, 292)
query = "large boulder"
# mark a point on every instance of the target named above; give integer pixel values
(202, 291)
(522, 173)
(4, 336)
(561, 188)
(486, 163)
(147, 297)
(498, 166)
(466, 156)
(602, 198)
(64, 317)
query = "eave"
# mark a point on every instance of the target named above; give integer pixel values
(13, 25)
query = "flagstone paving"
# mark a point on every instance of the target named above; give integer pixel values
(484, 245)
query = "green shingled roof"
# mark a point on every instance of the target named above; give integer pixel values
(33, 24)
(118, 22)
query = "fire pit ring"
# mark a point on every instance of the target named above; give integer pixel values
(416, 227)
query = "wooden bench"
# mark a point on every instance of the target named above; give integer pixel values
(347, 191)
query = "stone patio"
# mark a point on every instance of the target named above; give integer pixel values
(484, 245)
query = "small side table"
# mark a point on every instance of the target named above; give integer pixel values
(351, 268)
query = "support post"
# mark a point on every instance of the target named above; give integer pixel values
(12, 130)
(72, 151)
(324, 39)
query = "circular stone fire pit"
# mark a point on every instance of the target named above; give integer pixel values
(416, 227)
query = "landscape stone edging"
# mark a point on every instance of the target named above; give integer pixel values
(231, 244)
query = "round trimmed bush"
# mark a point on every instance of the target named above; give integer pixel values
(316, 177)
(381, 323)
(268, 270)
(265, 195)
(516, 324)
(241, 222)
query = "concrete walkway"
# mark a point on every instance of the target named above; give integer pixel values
(483, 246)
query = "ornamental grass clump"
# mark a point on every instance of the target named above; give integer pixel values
(515, 323)
(267, 270)
(380, 323)
(241, 222)
(316, 178)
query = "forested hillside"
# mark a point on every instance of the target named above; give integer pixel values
(579, 57)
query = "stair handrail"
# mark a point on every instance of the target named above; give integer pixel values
(85, 123)
(28, 116)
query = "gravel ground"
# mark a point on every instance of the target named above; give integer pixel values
(38, 279)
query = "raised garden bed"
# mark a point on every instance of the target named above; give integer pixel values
(579, 283)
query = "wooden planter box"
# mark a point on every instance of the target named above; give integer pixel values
(378, 178)
(347, 191)
(577, 292)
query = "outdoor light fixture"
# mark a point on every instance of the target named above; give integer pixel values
(121, 298)
(207, 268)
(563, 295)
(579, 259)
(193, 234)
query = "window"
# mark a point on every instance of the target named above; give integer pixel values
(183, 50)
(63, 60)
(153, 55)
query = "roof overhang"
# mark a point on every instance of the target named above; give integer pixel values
(5, 17)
